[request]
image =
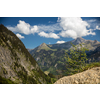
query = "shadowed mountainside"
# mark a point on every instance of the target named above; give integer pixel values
(16, 63)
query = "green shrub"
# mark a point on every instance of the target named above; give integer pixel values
(5, 81)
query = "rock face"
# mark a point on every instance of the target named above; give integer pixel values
(94, 55)
(16, 63)
(78, 40)
(91, 76)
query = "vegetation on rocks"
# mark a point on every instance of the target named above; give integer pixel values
(5, 81)
(77, 57)
(16, 63)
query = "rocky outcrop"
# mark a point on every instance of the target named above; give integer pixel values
(91, 76)
(78, 40)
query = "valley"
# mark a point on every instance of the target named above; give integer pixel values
(51, 58)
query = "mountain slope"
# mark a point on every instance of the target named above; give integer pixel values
(53, 61)
(16, 63)
(94, 55)
(91, 76)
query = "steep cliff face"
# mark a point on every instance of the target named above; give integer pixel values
(16, 63)
(91, 76)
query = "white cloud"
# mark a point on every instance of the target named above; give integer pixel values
(49, 35)
(69, 33)
(60, 42)
(20, 36)
(46, 31)
(13, 29)
(73, 27)
(97, 27)
(25, 28)
(90, 32)
(34, 29)
(50, 28)
(91, 21)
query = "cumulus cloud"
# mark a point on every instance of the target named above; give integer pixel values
(74, 27)
(46, 31)
(23, 27)
(34, 29)
(49, 35)
(19, 36)
(60, 42)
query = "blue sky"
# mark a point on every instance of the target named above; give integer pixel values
(33, 31)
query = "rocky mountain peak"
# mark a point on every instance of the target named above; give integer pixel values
(78, 40)
(43, 44)
(95, 41)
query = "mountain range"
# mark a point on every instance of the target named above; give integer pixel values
(50, 57)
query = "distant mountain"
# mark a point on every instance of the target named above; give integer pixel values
(78, 40)
(51, 57)
(67, 45)
(16, 63)
(94, 55)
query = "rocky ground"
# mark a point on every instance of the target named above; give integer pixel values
(91, 76)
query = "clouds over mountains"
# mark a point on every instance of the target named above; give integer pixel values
(72, 27)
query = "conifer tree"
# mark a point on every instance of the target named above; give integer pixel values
(77, 57)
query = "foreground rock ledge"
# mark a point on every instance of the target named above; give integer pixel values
(91, 76)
